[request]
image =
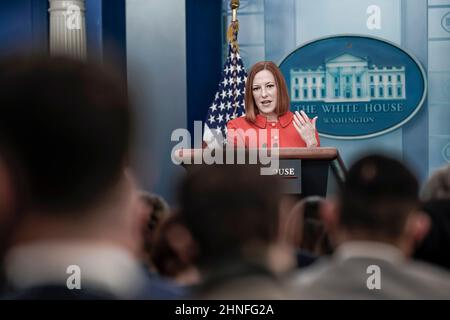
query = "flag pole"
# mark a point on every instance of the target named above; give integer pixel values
(234, 25)
(232, 38)
(234, 4)
(229, 98)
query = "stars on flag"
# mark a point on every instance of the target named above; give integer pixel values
(225, 82)
(229, 99)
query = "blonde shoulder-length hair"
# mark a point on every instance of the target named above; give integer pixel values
(251, 110)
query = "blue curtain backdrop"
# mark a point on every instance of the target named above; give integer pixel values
(23, 26)
(106, 32)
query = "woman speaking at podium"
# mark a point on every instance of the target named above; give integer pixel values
(268, 121)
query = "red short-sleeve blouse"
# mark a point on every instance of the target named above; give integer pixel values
(281, 133)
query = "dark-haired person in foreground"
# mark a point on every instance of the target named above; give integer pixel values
(435, 248)
(232, 214)
(154, 210)
(304, 230)
(174, 259)
(9, 207)
(68, 126)
(375, 225)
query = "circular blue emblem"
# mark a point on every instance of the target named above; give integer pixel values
(445, 22)
(358, 86)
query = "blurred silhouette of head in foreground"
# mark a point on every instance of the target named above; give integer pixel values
(378, 202)
(67, 125)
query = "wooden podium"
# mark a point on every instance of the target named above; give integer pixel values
(305, 171)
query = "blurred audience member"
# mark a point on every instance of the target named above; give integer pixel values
(68, 126)
(174, 256)
(438, 185)
(287, 202)
(10, 203)
(305, 231)
(375, 226)
(154, 210)
(232, 214)
(435, 248)
(174, 252)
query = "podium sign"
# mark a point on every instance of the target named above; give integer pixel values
(290, 173)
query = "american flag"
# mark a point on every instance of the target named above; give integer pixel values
(228, 102)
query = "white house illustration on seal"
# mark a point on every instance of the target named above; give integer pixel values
(348, 78)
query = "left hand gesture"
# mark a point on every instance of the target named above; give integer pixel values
(306, 128)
